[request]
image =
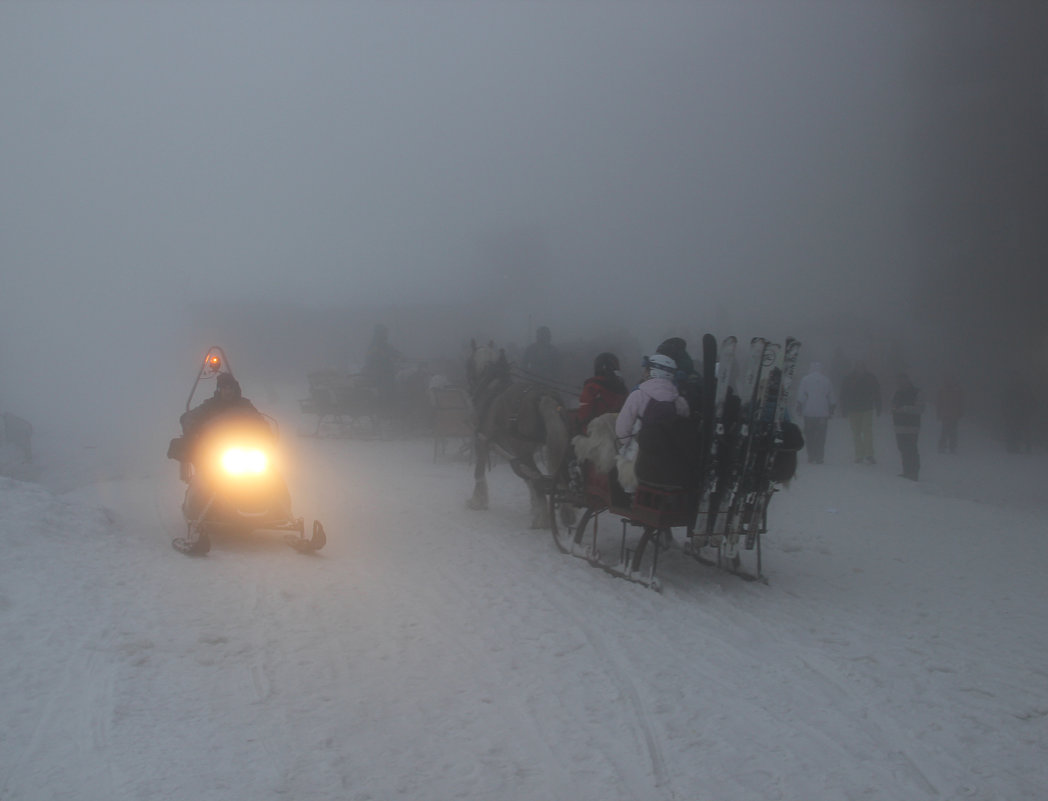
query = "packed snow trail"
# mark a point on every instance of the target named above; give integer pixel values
(431, 651)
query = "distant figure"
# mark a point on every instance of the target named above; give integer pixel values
(907, 407)
(1020, 406)
(541, 357)
(381, 363)
(949, 409)
(860, 400)
(603, 392)
(816, 405)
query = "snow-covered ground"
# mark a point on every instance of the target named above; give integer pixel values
(898, 650)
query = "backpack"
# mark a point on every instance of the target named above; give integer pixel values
(667, 446)
(784, 460)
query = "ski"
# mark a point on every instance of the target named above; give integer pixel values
(709, 380)
(713, 437)
(313, 544)
(761, 446)
(198, 547)
(774, 439)
(737, 438)
(752, 427)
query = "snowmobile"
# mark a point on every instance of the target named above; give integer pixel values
(230, 463)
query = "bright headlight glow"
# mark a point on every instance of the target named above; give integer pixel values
(242, 461)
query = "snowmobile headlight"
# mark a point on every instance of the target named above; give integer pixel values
(244, 461)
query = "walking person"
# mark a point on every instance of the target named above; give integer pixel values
(1020, 409)
(860, 401)
(907, 407)
(949, 408)
(816, 405)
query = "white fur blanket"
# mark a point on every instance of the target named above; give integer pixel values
(600, 446)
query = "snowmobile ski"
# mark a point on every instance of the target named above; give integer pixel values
(313, 544)
(198, 547)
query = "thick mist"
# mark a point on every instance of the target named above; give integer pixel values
(283, 176)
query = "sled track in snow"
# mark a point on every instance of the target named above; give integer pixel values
(640, 712)
(541, 707)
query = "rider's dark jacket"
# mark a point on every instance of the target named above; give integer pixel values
(195, 419)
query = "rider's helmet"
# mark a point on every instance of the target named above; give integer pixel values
(606, 364)
(660, 366)
(226, 381)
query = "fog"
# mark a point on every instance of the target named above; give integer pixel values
(178, 175)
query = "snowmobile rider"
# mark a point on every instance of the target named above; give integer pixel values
(227, 397)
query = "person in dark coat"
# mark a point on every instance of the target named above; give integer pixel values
(381, 364)
(1020, 408)
(907, 407)
(541, 357)
(227, 398)
(603, 392)
(949, 408)
(687, 378)
(860, 399)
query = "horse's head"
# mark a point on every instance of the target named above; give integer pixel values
(485, 364)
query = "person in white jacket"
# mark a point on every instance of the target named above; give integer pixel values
(816, 404)
(656, 385)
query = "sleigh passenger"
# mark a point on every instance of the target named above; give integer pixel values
(602, 393)
(655, 404)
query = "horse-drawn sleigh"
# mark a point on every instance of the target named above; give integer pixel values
(345, 404)
(741, 449)
(348, 404)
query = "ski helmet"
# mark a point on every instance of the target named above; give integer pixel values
(660, 366)
(605, 364)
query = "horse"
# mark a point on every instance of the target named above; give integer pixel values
(517, 420)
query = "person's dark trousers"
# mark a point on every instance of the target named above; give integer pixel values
(911, 460)
(815, 438)
(948, 437)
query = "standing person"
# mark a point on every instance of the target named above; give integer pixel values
(949, 409)
(541, 357)
(860, 400)
(907, 406)
(603, 392)
(381, 364)
(1020, 408)
(816, 404)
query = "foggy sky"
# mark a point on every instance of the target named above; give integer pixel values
(649, 162)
